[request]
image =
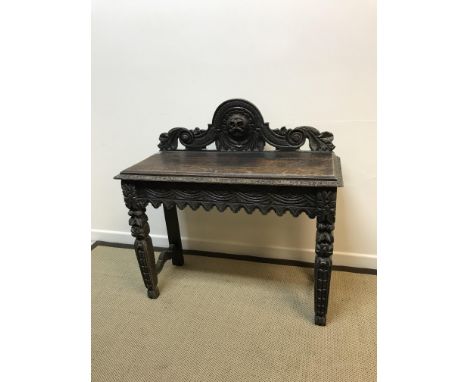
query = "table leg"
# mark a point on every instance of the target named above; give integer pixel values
(173, 235)
(144, 250)
(323, 259)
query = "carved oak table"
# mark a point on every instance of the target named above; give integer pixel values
(238, 174)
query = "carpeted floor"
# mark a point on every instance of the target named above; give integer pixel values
(227, 320)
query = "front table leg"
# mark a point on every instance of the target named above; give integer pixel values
(324, 251)
(144, 250)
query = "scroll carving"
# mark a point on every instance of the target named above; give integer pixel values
(238, 126)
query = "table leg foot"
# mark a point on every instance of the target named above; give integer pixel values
(153, 294)
(320, 320)
(178, 260)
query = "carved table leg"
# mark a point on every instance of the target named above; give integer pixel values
(140, 231)
(144, 250)
(324, 252)
(173, 234)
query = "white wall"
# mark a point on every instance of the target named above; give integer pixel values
(160, 64)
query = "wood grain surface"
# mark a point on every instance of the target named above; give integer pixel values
(267, 167)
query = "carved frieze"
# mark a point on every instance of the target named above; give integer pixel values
(296, 200)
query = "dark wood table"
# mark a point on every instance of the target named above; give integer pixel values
(237, 175)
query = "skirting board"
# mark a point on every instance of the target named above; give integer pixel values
(348, 259)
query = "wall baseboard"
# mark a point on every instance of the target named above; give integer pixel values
(347, 259)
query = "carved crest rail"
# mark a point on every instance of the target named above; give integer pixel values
(238, 126)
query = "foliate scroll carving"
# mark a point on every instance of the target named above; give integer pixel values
(128, 189)
(293, 139)
(195, 139)
(131, 198)
(238, 126)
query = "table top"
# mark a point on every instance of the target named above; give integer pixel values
(281, 168)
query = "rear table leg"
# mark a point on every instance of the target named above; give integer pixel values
(173, 235)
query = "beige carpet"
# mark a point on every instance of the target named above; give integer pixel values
(227, 320)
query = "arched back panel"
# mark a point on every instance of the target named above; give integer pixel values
(238, 126)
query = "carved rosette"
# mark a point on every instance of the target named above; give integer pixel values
(238, 126)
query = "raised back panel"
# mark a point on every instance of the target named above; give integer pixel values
(238, 126)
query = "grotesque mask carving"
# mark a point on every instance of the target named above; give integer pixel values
(238, 126)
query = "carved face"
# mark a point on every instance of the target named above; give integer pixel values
(238, 126)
